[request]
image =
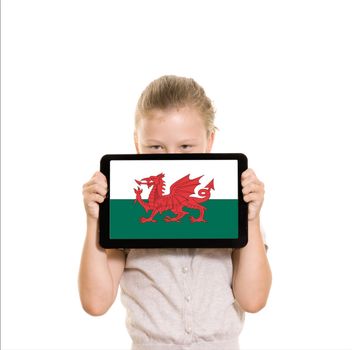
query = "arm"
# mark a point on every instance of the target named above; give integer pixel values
(252, 274)
(100, 270)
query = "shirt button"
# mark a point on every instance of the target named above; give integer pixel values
(184, 269)
(188, 329)
(188, 298)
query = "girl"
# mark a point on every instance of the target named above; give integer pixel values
(176, 299)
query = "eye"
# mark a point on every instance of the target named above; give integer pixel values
(186, 147)
(155, 147)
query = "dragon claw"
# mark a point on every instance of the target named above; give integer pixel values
(170, 219)
(193, 219)
(138, 190)
(143, 220)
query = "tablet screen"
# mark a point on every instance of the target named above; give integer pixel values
(173, 199)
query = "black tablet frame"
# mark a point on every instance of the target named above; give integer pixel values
(104, 208)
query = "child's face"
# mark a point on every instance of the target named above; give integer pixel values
(173, 131)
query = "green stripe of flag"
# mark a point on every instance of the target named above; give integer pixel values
(221, 216)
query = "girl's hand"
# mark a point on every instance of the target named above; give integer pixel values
(253, 193)
(94, 192)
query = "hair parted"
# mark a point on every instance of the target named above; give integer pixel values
(171, 91)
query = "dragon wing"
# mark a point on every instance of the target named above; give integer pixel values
(182, 189)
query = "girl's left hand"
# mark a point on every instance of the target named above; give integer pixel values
(253, 193)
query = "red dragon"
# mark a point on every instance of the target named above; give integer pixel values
(179, 197)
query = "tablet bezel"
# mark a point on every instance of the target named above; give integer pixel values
(104, 208)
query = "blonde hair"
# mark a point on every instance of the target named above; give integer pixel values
(170, 91)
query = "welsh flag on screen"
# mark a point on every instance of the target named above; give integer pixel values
(174, 199)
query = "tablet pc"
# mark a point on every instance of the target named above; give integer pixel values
(191, 200)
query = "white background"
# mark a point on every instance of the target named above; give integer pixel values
(279, 73)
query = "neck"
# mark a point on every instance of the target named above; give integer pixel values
(156, 193)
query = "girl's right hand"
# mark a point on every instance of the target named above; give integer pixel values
(94, 192)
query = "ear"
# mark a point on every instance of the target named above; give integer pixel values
(210, 141)
(136, 142)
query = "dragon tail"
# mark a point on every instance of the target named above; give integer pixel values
(205, 192)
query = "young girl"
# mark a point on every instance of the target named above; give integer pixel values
(175, 299)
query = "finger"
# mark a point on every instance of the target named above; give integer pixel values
(252, 187)
(249, 180)
(96, 180)
(91, 185)
(100, 175)
(247, 173)
(95, 188)
(252, 197)
(95, 197)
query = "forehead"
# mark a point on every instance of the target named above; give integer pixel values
(183, 110)
(180, 122)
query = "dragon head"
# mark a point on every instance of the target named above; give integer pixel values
(151, 180)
